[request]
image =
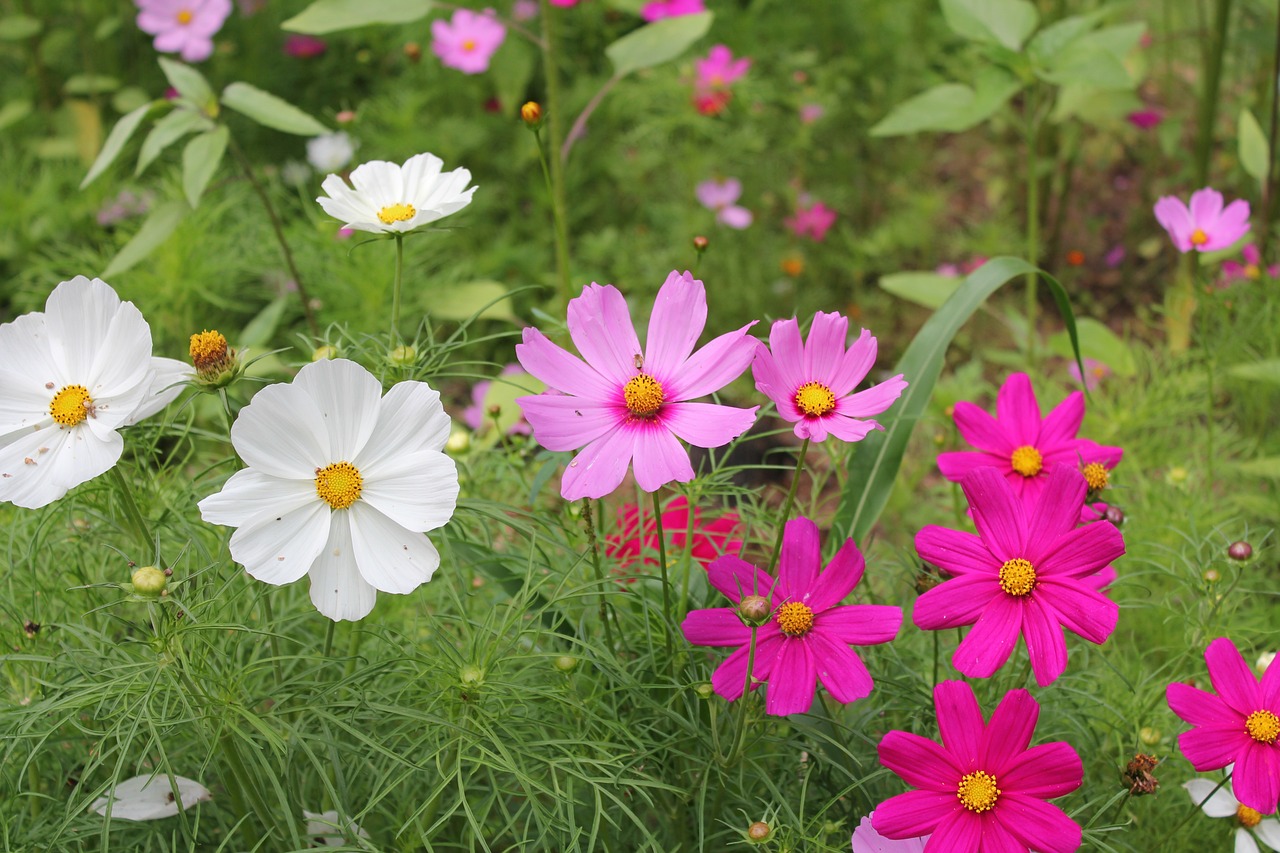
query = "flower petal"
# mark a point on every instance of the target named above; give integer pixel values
(1063, 423)
(659, 458)
(248, 495)
(720, 626)
(825, 346)
(914, 813)
(997, 513)
(956, 464)
(839, 668)
(1256, 779)
(991, 639)
(421, 496)
(956, 602)
(410, 420)
(854, 364)
(1079, 607)
(281, 433)
(960, 721)
(1232, 678)
(679, 315)
(921, 763)
(735, 577)
(561, 370)
(346, 396)
(955, 551)
(562, 423)
(793, 681)
(279, 549)
(1009, 733)
(839, 577)
(960, 830)
(799, 561)
(1080, 552)
(1213, 799)
(983, 431)
(1018, 411)
(1197, 706)
(1039, 825)
(1046, 645)
(707, 424)
(601, 328)
(1044, 771)
(714, 366)
(860, 624)
(1214, 747)
(1055, 513)
(337, 588)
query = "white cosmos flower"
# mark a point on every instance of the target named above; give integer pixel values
(70, 376)
(342, 483)
(329, 152)
(390, 198)
(326, 829)
(1251, 827)
(151, 797)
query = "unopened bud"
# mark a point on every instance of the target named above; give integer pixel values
(471, 675)
(700, 244)
(1149, 736)
(1240, 551)
(565, 663)
(413, 51)
(459, 441)
(705, 690)
(754, 610)
(1115, 515)
(792, 267)
(1212, 576)
(403, 356)
(326, 351)
(345, 117)
(149, 582)
(758, 831)
(531, 113)
(494, 411)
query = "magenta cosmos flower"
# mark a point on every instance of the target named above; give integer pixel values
(660, 9)
(468, 40)
(812, 383)
(812, 219)
(1204, 226)
(706, 537)
(719, 69)
(1029, 571)
(185, 27)
(722, 197)
(808, 637)
(628, 403)
(981, 789)
(1024, 447)
(1241, 724)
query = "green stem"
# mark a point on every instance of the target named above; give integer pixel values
(328, 640)
(1190, 814)
(1209, 94)
(1033, 222)
(666, 581)
(555, 134)
(1269, 185)
(740, 736)
(134, 515)
(589, 522)
(353, 650)
(395, 292)
(786, 508)
(270, 626)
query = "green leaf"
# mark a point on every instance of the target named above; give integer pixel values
(116, 139)
(18, 27)
(1095, 106)
(1268, 467)
(1254, 151)
(874, 466)
(511, 69)
(327, 16)
(1044, 46)
(14, 112)
(950, 107)
(257, 333)
(1005, 22)
(1098, 342)
(656, 43)
(1091, 67)
(157, 228)
(269, 111)
(923, 288)
(90, 84)
(191, 85)
(200, 161)
(167, 131)
(1267, 370)
(481, 300)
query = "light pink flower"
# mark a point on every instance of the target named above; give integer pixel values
(1094, 372)
(1115, 257)
(185, 27)
(1146, 119)
(671, 9)
(719, 69)
(626, 403)
(565, 3)
(720, 197)
(809, 113)
(812, 220)
(867, 840)
(524, 10)
(948, 270)
(1204, 226)
(468, 40)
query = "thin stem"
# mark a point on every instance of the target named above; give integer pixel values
(328, 640)
(395, 292)
(588, 522)
(1208, 115)
(270, 618)
(666, 581)
(353, 650)
(786, 507)
(580, 123)
(740, 736)
(1269, 185)
(1190, 814)
(1033, 221)
(555, 138)
(133, 514)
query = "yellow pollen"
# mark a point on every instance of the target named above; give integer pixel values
(1263, 726)
(208, 350)
(397, 213)
(1017, 577)
(1249, 818)
(978, 792)
(815, 399)
(1199, 238)
(1096, 475)
(1252, 271)
(1027, 461)
(339, 484)
(469, 44)
(795, 619)
(71, 405)
(185, 16)
(643, 395)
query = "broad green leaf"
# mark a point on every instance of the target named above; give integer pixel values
(129, 98)
(200, 161)
(327, 16)
(511, 70)
(874, 466)
(191, 85)
(1254, 151)
(18, 27)
(950, 107)
(14, 112)
(167, 131)
(158, 227)
(1267, 370)
(1098, 342)
(1045, 45)
(1095, 106)
(269, 111)
(992, 90)
(1119, 41)
(923, 288)
(86, 124)
(656, 43)
(1091, 66)
(90, 84)
(116, 139)
(258, 331)
(1005, 22)
(482, 300)
(1268, 467)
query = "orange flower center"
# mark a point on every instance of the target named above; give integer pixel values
(643, 395)
(815, 399)
(1096, 475)
(185, 17)
(1017, 577)
(397, 213)
(1263, 726)
(208, 351)
(795, 619)
(469, 45)
(1248, 818)
(1199, 238)
(978, 792)
(71, 405)
(339, 485)
(1027, 461)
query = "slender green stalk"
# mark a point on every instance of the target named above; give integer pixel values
(134, 515)
(353, 650)
(588, 522)
(740, 736)
(666, 581)
(270, 619)
(328, 640)
(1208, 113)
(395, 292)
(1033, 221)
(555, 139)
(1269, 185)
(786, 507)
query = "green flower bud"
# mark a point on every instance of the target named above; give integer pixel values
(149, 582)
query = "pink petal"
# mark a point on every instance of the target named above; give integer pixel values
(956, 464)
(1018, 411)
(1081, 551)
(1055, 514)
(1271, 686)
(736, 217)
(714, 366)
(825, 347)
(983, 431)
(707, 424)
(768, 378)
(600, 325)
(599, 467)
(1231, 226)
(840, 669)
(839, 578)
(997, 513)
(1206, 207)
(1045, 771)
(794, 680)
(873, 400)
(1046, 645)
(679, 315)
(561, 370)
(843, 428)
(659, 458)
(1038, 825)
(955, 551)
(991, 639)
(960, 830)
(854, 364)
(1087, 451)
(788, 353)
(1176, 219)
(1256, 779)
(921, 763)
(729, 677)
(959, 601)
(1232, 678)
(1198, 707)
(1214, 747)
(567, 423)
(735, 577)
(799, 561)
(1079, 607)
(717, 627)
(861, 624)
(914, 813)
(997, 839)
(960, 721)
(1063, 423)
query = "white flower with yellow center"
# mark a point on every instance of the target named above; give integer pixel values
(1254, 831)
(70, 377)
(341, 484)
(389, 198)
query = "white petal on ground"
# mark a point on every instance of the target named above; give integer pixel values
(389, 557)
(402, 497)
(347, 397)
(151, 797)
(279, 549)
(281, 432)
(250, 494)
(337, 588)
(170, 378)
(1221, 804)
(328, 829)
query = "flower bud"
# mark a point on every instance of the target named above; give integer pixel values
(754, 610)
(471, 675)
(758, 831)
(217, 365)
(705, 690)
(1114, 515)
(459, 441)
(700, 244)
(531, 114)
(1240, 551)
(413, 52)
(403, 356)
(1212, 576)
(565, 663)
(793, 267)
(1149, 736)
(345, 117)
(149, 582)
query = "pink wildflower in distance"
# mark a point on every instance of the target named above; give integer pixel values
(468, 40)
(524, 10)
(984, 787)
(812, 383)
(812, 219)
(1024, 574)
(1204, 225)
(624, 402)
(304, 47)
(184, 27)
(1240, 725)
(1250, 270)
(809, 113)
(1146, 119)
(719, 69)
(1094, 372)
(721, 196)
(565, 3)
(867, 840)
(475, 415)
(808, 636)
(711, 537)
(660, 9)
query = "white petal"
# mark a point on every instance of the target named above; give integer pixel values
(1245, 842)
(26, 367)
(170, 378)
(347, 397)
(421, 495)
(78, 313)
(1269, 833)
(60, 460)
(121, 357)
(325, 826)
(151, 797)
(251, 494)
(337, 588)
(410, 419)
(389, 557)
(280, 548)
(281, 433)
(1221, 804)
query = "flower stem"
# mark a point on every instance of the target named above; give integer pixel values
(740, 736)
(353, 650)
(270, 619)
(1033, 221)
(1209, 93)
(395, 292)
(786, 507)
(588, 522)
(134, 515)
(555, 139)
(1199, 806)
(1269, 184)
(666, 581)
(328, 640)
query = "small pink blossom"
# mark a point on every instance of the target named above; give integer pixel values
(1251, 269)
(719, 69)
(1115, 257)
(304, 47)
(867, 840)
(524, 10)
(344, 233)
(809, 113)
(468, 40)
(1146, 119)
(185, 27)
(720, 197)
(1094, 372)
(475, 415)
(1204, 226)
(660, 9)
(812, 219)
(565, 3)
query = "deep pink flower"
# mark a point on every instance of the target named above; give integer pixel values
(711, 538)
(721, 196)
(982, 790)
(565, 3)
(660, 9)
(628, 403)
(1240, 724)
(304, 47)
(468, 40)
(812, 383)
(1024, 574)
(1022, 445)
(1204, 226)
(1251, 269)
(185, 27)
(867, 840)
(1094, 372)
(809, 113)
(478, 419)
(719, 69)
(711, 102)
(808, 637)
(812, 220)
(1114, 257)
(1146, 119)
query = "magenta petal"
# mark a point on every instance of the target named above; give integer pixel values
(1232, 678)
(1214, 747)
(562, 370)
(960, 830)
(920, 762)
(861, 624)
(1055, 513)
(1086, 451)
(768, 377)
(679, 315)
(914, 813)
(873, 400)
(854, 364)
(825, 347)
(735, 577)
(659, 458)
(1038, 825)
(955, 551)
(1079, 607)
(1045, 771)
(794, 680)
(799, 562)
(600, 325)
(954, 603)
(1196, 706)
(714, 366)
(981, 430)
(960, 721)
(1063, 423)
(955, 464)
(1231, 226)
(991, 640)
(1206, 207)
(1007, 735)
(1018, 411)
(566, 423)
(1256, 779)
(729, 677)
(839, 668)
(997, 839)
(1080, 552)
(839, 577)
(1046, 646)
(707, 424)
(599, 467)
(997, 513)
(1271, 686)
(718, 627)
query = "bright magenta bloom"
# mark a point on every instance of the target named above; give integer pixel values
(807, 638)
(719, 69)
(660, 9)
(812, 219)
(812, 383)
(1027, 572)
(1204, 226)
(1024, 447)
(468, 40)
(1241, 724)
(711, 537)
(626, 402)
(1233, 271)
(304, 47)
(185, 27)
(982, 790)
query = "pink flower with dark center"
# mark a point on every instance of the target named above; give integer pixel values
(1146, 119)
(1204, 226)
(808, 636)
(711, 538)
(660, 9)
(468, 40)
(626, 403)
(1026, 573)
(1240, 724)
(984, 787)
(867, 840)
(1020, 444)
(719, 69)
(475, 415)
(304, 47)
(812, 383)
(185, 27)
(721, 196)
(812, 220)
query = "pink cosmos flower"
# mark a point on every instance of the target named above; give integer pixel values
(711, 538)
(1146, 119)
(626, 403)
(867, 840)
(719, 69)
(809, 113)
(304, 47)
(671, 9)
(1024, 574)
(565, 3)
(1115, 257)
(1251, 269)
(478, 419)
(812, 220)
(812, 383)
(808, 637)
(1094, 372)
(524, 10)
(185, 27)
(468, 40)
(981, 789)
(1240, 724)
(720, 197)
(1204, 226)
(1021, 445)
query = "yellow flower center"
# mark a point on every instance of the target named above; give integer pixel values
(1263, 726)
(978, 792)
(1096, 475)
(208, 350)
(469, 45)
(1252, 271)
(339, 484)
(815, 399)
(1249, 818)
(795, 619)
(1027, 461)
(397, 213)
(644, 395)
(185, 17)
(1199, 238)
(1017, 577)
(71, 405)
